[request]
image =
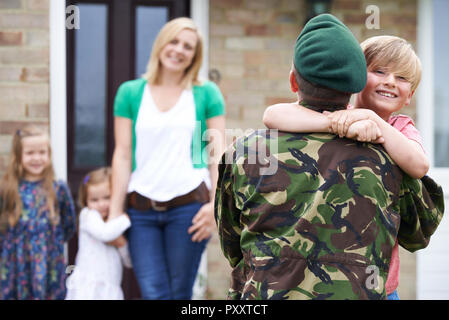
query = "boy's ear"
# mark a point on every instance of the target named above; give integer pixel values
(293, 83)
(409, 98)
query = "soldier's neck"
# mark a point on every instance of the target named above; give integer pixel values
(320, 106)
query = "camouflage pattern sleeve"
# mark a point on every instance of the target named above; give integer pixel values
(227, 218)
(421, 206)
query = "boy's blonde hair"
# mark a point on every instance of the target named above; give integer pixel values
(394, 53)
(10, 201)
(167, 34)
(93, 177)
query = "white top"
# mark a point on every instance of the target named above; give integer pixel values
(98, 271)
(164, 168)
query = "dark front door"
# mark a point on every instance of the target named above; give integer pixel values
(111, 45)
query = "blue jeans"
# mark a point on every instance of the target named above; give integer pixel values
(393, 296)
(165, 260)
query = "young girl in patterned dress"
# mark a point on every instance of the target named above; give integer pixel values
(37, 217)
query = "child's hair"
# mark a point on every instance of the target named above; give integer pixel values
(11, 204)
(396, 53)
(167, 34)
(97, 176)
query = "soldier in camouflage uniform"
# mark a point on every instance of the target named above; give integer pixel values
(323, 224)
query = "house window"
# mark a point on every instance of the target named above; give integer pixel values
(90, 98)
(149, 20)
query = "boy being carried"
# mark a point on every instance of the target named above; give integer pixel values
(394, 72)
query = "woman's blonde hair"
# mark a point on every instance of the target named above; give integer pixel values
(393, 53)
(94, 177)
(10, 201)
(167, 34)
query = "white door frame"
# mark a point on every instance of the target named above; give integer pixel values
(200, 14)
(58, 87)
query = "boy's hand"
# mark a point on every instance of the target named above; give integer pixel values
(341, 120)
(365, 131)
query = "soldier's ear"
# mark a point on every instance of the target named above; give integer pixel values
(293, 83)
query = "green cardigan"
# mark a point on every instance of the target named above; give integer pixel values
(209, 103)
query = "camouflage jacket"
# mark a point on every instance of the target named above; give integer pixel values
(313, 216)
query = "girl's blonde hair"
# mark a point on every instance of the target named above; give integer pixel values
(10, 201)
(394, 53)
(167, 34)
(97, 176)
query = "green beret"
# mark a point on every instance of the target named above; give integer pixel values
(328, 54)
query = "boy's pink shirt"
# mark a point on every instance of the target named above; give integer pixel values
(405, 125)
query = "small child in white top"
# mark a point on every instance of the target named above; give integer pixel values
(98, 270)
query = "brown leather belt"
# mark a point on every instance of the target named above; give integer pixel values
(137, 201)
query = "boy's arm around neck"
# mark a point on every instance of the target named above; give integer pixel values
(292, 117)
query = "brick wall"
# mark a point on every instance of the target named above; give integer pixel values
(251, 45)
(24, 68)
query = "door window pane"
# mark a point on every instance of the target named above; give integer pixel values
(149, 20)
(441, 71)
(90, 86)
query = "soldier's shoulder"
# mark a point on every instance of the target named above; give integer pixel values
(243, 138)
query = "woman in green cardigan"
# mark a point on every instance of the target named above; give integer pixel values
(160, 170)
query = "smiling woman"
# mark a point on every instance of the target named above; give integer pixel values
(178, 54)
(159, 172)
